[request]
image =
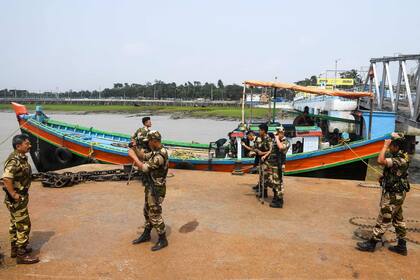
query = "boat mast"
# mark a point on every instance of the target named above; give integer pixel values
(251, 118)
(243, 105)
(274, 104)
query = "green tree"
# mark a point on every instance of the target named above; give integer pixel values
(352, 74)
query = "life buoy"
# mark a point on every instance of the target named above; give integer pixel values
(63, 155)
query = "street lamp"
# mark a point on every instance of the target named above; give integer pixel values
(335, 77)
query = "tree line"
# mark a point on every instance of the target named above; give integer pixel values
(156, 90)
(161, 90)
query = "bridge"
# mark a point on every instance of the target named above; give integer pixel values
(404, 98)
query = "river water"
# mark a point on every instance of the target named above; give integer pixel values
(198, 130)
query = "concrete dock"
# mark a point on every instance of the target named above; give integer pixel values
(217, 229)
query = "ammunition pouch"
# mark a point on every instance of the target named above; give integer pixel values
(396, 186)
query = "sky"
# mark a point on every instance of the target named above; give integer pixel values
(88, 44)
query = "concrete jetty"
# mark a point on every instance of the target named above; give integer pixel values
(217, 229)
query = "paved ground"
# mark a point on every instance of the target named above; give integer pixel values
(217, 230)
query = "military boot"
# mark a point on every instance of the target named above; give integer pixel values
(400, 248)
(162, 242)
(277, 202)
(24, 258)
(367, 246)
(13, 250)
(144, 237)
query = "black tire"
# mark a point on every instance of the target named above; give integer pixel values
(63, 155)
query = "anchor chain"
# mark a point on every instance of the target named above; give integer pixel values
(362, 225)
(66, 179)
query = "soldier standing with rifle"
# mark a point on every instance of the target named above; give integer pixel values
(263, 147)
(155, 169)
(394, 185)
(17, 180)
(277, 162)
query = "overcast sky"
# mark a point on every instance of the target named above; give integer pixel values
(83, 44)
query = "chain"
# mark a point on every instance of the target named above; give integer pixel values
(67, 179)
(361, 225)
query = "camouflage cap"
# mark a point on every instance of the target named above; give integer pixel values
(398, 139)
(280, 128)
(154, 135)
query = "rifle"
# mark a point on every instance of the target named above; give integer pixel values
(129, 174)
(148, 182)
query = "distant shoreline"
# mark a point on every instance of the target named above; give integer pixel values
(176, 112)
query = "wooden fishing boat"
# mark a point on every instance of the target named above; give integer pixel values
(58, 145)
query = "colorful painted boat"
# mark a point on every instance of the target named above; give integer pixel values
(58, 145)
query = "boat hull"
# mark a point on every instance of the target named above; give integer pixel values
(46, 160)
(44, 156)
(48, 143)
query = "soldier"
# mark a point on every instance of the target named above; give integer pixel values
(155, 168)
(304, 119)
(277, 162)
(232, 147)
(139, 137)
(263, 147)
(17, 180)
(248, 144)
(394, 187)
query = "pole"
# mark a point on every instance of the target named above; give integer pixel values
(243, 105)
(335, 77)
(274, 105)
(269, 105)
(252, 95)
(371, 108)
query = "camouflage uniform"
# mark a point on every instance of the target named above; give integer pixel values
(395, 185)
(277, 160)
(141, 134)
(140, 137)
(156, 168)
(18, 169)
(264, 145)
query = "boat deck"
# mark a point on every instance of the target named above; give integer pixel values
(216, 229)
(120, 143)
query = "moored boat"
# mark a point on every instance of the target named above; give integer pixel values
(58, 145)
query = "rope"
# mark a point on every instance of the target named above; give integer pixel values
(370, 186)
(367, 164)
(373, 168)
(13, 133)
(91, 151)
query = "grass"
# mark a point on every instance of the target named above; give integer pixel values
(199, 112)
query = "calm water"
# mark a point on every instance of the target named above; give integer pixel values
(198, 130)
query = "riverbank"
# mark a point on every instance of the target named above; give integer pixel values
(223, 113)
(216, 230)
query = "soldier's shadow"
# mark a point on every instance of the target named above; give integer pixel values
(39, 238)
